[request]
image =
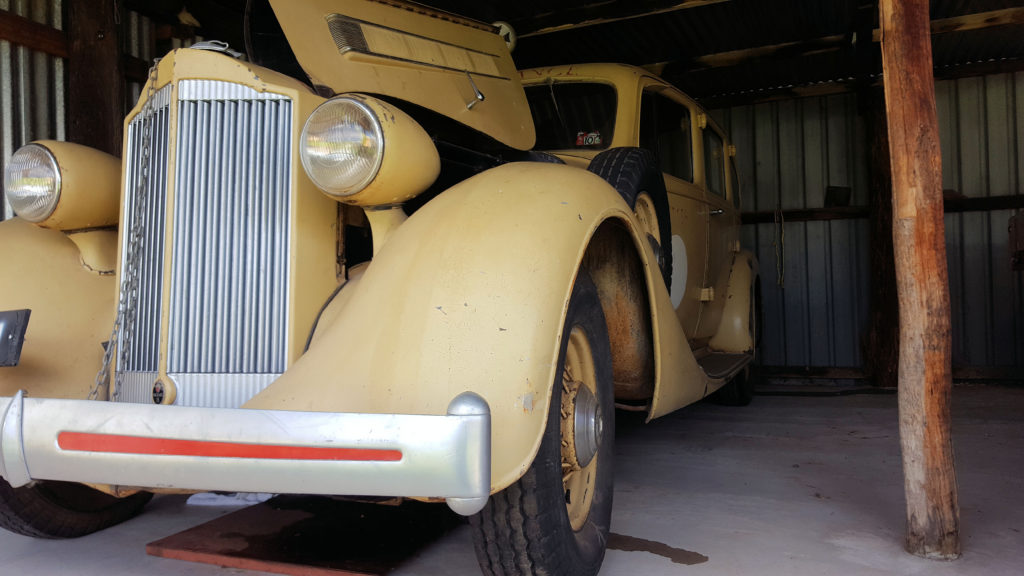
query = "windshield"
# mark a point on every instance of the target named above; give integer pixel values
(572, 115)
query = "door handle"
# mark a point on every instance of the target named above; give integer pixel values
(717, 212)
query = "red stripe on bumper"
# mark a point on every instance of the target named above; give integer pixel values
(112, 443)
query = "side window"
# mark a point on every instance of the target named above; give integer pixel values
(714, 162)
(665, 130)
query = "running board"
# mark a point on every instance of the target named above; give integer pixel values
(719, 365)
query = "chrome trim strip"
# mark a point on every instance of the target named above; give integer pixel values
(344, 22)
(137, 387)
(144, 347)
(190, 90)
(441, 456)
(218, 390)
(12, 444)
(349, 36)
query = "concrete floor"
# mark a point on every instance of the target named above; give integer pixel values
(789, 485)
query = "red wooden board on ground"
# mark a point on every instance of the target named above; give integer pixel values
(312, 536)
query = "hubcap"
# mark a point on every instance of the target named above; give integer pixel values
(587, 426)
(581, 428)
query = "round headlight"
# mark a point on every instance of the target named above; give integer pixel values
(342, 146)
(32, 183)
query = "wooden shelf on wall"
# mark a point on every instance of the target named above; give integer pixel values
(950, 205)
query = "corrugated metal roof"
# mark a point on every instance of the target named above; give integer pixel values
(811, 41)
(684, 33)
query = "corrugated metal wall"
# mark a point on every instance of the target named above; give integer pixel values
(32, 92)
(814, 275)
(790, 151)
(137, 39)
(982, 128)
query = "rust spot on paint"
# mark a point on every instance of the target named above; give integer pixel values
(527, 401)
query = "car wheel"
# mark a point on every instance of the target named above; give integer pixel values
(63, 509)
(555, 519)
(635, 174)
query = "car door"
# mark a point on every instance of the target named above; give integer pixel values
(723, 226)
(667, 128)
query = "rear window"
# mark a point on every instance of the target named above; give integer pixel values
(572, 115)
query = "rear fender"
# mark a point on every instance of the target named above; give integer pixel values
(469, 294)
(72, 309)
(733, 335)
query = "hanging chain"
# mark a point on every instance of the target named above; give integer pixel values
(128, 296)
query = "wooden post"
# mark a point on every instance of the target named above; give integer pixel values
(925, 374)
(882, 352)
(95, 75)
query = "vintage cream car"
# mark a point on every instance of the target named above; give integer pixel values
(474, 354)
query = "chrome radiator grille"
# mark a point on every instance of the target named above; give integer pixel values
(228, 250)
(230, 255)
(144, 347)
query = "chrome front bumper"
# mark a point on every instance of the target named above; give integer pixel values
(241, 450)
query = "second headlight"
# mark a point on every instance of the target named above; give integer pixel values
(363, 151)
(32, 183)
(342, 146)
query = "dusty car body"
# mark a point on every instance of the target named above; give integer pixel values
(511, 298)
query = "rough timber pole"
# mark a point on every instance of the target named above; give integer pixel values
(925, 375)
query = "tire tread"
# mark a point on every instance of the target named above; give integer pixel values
(30, 511)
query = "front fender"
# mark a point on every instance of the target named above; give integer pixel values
(72, 311)
(469, 294)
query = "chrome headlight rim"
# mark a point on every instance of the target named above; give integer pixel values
(314, 171)
(11, 192)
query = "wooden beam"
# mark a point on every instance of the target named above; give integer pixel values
(797, 48)
(32, 35)
(793, 49)
(807, 215)
(602, 13)
(814, 372)
(925, 365)
(984, 203)
(772, 94)
(950, 205)
(95, 75)
(783, 50)
(775, 94)
(1004, 373)
(135, 69)
(882, 346)
(979, 21)
(960, 373)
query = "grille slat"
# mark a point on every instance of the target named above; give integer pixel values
(144, 347)
(217, 245)
(230, 241)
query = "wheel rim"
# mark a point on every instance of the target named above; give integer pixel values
(581, 428)
(647, 216)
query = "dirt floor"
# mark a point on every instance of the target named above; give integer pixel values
(788, 486)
